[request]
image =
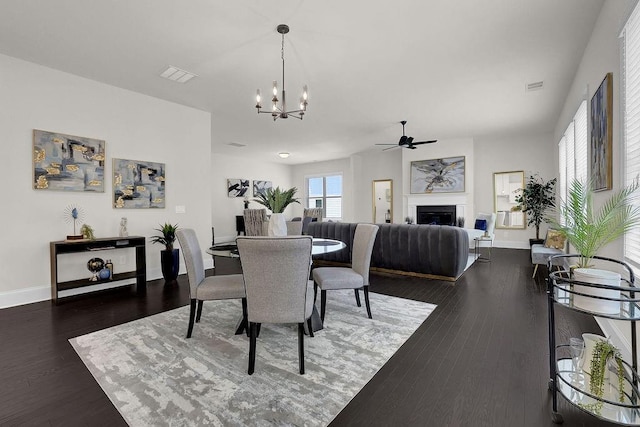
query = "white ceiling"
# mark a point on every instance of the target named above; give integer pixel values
(451, 68)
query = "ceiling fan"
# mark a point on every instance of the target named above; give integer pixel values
(407, 141)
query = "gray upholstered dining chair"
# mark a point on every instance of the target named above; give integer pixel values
(276, 278)
(355, 277)
(294, 228)
(203, 288)
(255, 222)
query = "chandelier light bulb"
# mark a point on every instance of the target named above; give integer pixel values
(258, 97)
(275, 88)
(305, 92)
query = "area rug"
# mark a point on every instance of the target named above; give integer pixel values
(155, 376)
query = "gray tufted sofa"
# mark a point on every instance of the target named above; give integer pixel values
(433, 251)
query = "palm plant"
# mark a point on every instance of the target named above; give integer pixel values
(276, 200)
(168, 235)
(587, 230)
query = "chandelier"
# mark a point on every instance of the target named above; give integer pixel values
(279, 106)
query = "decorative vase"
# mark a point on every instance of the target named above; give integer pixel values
(277, 225)
(600, 277)
(170, 264)
(590, 341)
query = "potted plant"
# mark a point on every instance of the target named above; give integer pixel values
(170, 257)
(277, 200)
(534, 199)
(588, 231)
(603, 354)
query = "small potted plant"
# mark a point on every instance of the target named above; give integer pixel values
(534, 199)
(277, 200)
(588, 230)
(169, 257)
(604, 353)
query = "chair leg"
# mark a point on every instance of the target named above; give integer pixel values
(258, 330)
(534, 271)
(253, 332)
(301, 347)
(310, 326)
(357, 297)
(315, 292)
(192, 315)
(366, 301)
(243, 325)
(200, 303)
(323, 304)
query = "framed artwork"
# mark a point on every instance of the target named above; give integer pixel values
(238, 187)
(600, 158)
(438, 175)
(260, 187)
(67, 163)
(138, 184)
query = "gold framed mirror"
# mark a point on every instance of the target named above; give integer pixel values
(505, 190)
(382, 201)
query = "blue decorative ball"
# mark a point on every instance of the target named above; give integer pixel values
(104, 274)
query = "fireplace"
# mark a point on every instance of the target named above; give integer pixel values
(438, 214)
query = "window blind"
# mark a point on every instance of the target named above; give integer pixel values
(562, 173)
(569, 137)
(581, 144)
(631, 115)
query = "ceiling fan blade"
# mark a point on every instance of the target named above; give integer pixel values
(411, 147)
(387, 144)
(390, 148)
(425, 142)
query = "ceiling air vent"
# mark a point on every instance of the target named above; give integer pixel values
(177, 75)
(534, 86)
(236, 144)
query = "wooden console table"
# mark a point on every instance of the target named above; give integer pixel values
(75, 246)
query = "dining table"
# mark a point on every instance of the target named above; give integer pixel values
(319, 246)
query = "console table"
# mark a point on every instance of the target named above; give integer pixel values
(109, 243)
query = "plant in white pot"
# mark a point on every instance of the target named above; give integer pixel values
(277, 200)
(588, 231)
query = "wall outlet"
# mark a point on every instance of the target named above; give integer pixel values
(180, 209)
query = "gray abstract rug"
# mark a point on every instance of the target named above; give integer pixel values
(155, 376)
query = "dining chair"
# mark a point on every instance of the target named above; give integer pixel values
(203, 288)
(255, 222)
(355, 277)
(294, 228)
(312, 213)
(276, 278)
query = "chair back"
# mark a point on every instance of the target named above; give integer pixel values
(276, 276)
(294, 228)
(363, 240)
(313, 213)
(192, 257)
(255, 222)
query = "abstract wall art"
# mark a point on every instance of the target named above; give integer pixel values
(138, 184)
(67, 163)
(600, 158)
(260, 187)
(438, 175)
(238, 187)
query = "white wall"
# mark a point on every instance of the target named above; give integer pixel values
(134, 126)
(224, 208)
(602, 55)
(528, 153)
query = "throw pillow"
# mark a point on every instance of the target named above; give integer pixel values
(555, 239)
(481, 224)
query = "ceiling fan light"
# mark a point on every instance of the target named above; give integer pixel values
(284, 155)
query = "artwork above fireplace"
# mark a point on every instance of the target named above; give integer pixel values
(436, 214)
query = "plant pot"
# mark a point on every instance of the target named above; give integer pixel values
(535, 242)
(170, 263)
(600, 277)
(277, 225)
(590, 341)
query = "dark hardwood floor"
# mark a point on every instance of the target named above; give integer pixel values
(481, 358)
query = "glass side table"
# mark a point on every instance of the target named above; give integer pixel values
(480, 242)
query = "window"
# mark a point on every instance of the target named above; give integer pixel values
(572, 151)
(631, 117)
(326, 192)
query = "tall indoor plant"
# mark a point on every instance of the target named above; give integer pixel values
(277, 200)
(169, 257)
(535, 198)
